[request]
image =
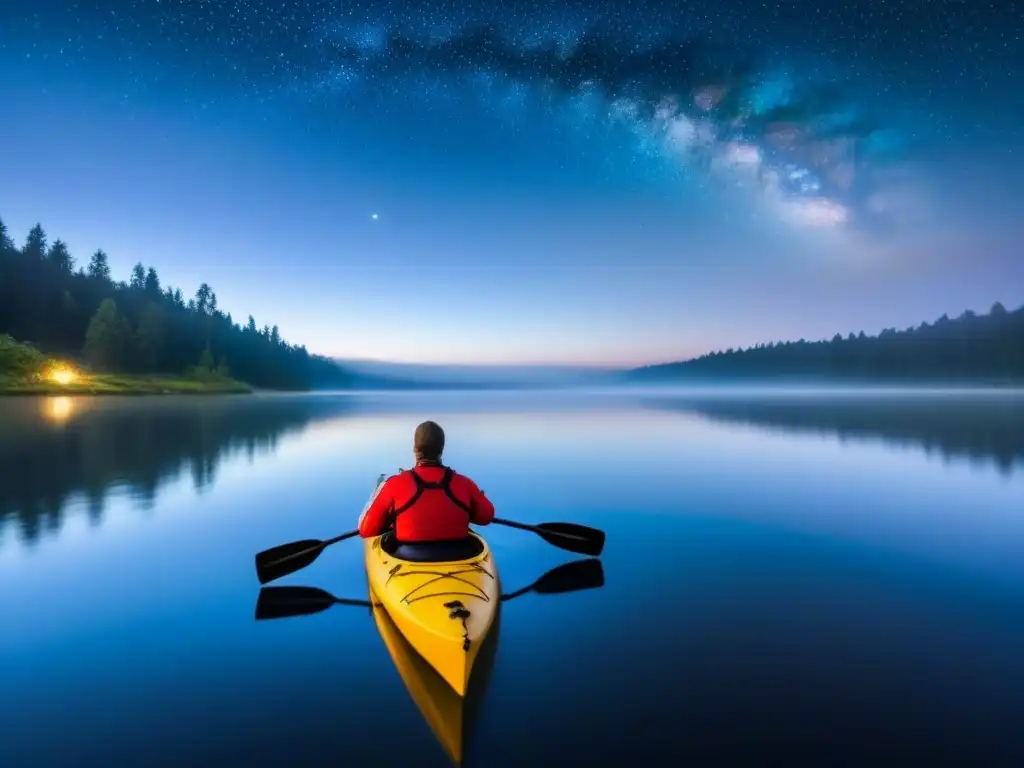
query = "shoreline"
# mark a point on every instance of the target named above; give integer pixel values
(104, 384)
(113, 384)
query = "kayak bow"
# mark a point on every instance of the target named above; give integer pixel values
(451, 717)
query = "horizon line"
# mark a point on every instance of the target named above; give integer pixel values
(497, 365)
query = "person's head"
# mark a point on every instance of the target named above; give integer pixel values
(428, 442)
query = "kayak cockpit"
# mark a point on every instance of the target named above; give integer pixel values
(432, 551)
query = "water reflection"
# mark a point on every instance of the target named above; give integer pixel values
(58, 410)
(803, 612)
(55, 448)
(451, 717)
(988, 429)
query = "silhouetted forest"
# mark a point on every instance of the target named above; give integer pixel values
(970, 348)
(140, 326)
(53, 449)
(982, 429)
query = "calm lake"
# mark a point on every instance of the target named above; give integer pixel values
(790, 578)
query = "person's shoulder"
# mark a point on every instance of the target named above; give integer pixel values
(458, 477)
(401, 477)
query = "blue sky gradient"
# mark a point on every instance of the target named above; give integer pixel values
(595, 186)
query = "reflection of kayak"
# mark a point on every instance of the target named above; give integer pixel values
(444, 610)
(440, 706)
(444, 710)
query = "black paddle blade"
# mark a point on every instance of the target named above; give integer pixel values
(573, 538)
(287, 558)
(282, 602)
(571, 577)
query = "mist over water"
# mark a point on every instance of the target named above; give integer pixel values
(810, 577)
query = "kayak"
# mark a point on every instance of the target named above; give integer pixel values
(444, 610)
(451, 717)
(440, 706)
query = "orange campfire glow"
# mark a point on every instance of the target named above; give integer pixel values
(61, 374)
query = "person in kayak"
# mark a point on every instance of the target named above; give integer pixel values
(430, 506)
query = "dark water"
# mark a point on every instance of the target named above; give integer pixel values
(790, 579)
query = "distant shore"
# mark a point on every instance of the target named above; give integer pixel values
(789, 381)
(115, 384)
(24, 370)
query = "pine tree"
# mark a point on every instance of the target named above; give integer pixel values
(152, 284)
(138, 281)
(99, 267)
(61, 258)
(6, 244)
(35, 243)
(150, 338)
(106, 338)
(206, 360)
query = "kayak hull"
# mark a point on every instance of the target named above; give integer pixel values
(444, 610)
(451, 717)
(440, 706)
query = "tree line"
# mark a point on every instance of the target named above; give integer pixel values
(140, 326)
(971, 347)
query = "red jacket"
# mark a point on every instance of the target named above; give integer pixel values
(428, 503)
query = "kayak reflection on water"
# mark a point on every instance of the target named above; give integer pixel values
(450, 716)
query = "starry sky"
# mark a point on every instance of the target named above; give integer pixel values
(522, 182)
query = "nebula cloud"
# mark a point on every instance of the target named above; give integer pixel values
(807, 150)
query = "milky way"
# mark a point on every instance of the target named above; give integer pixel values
(702, 85)
(806, 149)
(721, 106)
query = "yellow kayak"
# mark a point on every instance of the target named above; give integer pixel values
(444, 610)
(448, 714)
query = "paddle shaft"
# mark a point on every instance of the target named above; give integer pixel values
(321, 545)
(535, 529)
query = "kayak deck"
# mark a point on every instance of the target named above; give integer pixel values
(443, 609)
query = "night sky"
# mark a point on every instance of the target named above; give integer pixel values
(592, 182)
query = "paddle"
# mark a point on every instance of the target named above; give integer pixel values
(567, 536)
(279, 561)
(283, 602)
(282, 560)
(569, 577)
